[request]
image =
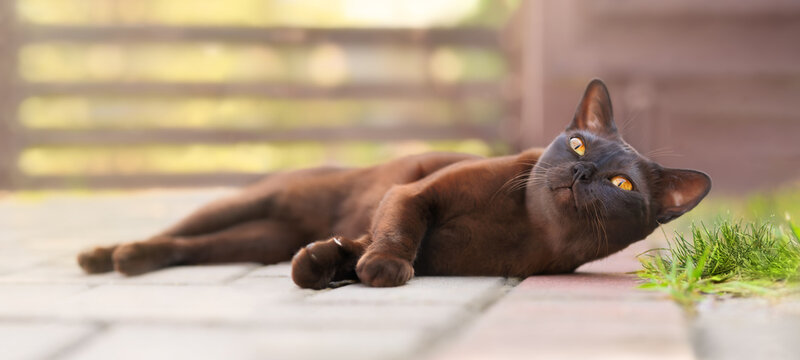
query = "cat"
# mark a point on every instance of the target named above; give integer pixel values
(544, 211)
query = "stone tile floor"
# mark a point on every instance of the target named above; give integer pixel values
(50, 310)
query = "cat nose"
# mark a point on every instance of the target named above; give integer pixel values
(583, 171)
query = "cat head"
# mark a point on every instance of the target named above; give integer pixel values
(591, 184)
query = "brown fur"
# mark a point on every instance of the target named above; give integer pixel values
(432, 214)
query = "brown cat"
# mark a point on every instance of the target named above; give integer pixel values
(588, 195)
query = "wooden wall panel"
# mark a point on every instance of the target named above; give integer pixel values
(713, 85)
(8, 96)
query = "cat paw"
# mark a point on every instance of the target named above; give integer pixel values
(319, 263)
(97, 260)
(139, 258)
(383, 270)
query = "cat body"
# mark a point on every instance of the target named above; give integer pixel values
(588, 195)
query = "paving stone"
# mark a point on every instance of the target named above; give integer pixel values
(553, 329)
(420, 290)
(513, 310)
(26, 301)
(65, 270)
(37, 340)
(626, 260)
(193, 303)
(238, 304)
(58, 275)
(167, 342)
(788, 306)
(575, 316)
(334, 344)
(747, 329)
(288, 308)
(13, 235)
(283, 269)
(582, 286)
(172, 342)
(16, 258)
(361, 316)
(275, 288)
(185, 275)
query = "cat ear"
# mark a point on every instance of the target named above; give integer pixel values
(594, 113)
(680, 191)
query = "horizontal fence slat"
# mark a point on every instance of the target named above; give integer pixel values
(689, 49)
(124, 181)
(470, 36)
(491, 90)
(185, 136)
(681, 9)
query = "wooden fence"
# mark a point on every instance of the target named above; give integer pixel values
(14, 137)
(711, 85)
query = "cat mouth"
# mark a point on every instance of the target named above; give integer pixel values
(564, 195)
(567, 196)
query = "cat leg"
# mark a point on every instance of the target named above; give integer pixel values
(262, 241)
(215, 216)
(399, 225)
(223, 213)
(319, 263)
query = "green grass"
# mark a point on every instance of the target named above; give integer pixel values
(728, 258)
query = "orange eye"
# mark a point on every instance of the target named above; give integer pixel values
(622, 183)
(577, 145)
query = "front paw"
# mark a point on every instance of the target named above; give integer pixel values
(319, 263)
(384, 270)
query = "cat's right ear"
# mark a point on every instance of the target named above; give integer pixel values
(678, 191)
(594, 113)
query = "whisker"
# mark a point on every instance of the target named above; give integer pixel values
(629, 119)
(510, 183)
(600, 229)
(663, 151)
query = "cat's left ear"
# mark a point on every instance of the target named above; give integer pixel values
(680, 191)
(594, 113)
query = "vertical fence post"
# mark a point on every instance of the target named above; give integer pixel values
(533, 72)
(8, 95)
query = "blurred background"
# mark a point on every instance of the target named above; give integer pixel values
(165, 93)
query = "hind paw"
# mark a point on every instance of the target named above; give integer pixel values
(141, 257)
(319, 263)
(97, 260)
